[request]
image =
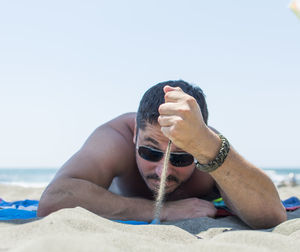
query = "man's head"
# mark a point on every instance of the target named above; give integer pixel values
(154, 97)
(150, 141)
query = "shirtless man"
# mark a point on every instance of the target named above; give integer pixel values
(129, 151)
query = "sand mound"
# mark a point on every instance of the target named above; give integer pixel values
(77, 229)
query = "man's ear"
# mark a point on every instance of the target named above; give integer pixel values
(134, 132)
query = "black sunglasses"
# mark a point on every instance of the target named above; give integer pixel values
(176, 159)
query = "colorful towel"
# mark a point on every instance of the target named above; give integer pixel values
(291, 204)
(23, 209)
(26, 209)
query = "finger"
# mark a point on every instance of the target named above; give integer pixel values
(174, 95)
(169, 108)
(211, 212)
(168, 88)
(206, 203)
(206, 210)
(167, 121)
(208, 207)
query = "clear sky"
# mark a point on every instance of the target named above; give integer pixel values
(66, 67)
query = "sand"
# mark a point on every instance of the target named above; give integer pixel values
(80, 230)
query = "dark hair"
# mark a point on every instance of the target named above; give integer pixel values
(154, 97)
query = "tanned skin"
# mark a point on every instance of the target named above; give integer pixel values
(109, 157)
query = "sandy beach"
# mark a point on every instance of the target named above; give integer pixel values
(80, 230)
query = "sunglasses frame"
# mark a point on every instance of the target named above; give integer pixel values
(172, 155)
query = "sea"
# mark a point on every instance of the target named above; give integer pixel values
(41, 177)
(27, 177)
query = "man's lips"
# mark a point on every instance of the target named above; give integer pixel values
(156, 183)
(170, 178)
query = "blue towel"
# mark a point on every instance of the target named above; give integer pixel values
(26, 209)
(291, 203)
(132, 222)
(13, 214)
(22, 209)
(21, 204)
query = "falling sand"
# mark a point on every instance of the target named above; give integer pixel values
(161, 191)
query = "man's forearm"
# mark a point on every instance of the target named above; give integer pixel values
(249, 192)
(71, 192)
(246, 189)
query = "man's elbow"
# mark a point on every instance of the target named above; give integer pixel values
(270, 219)
(51, 200)
(45, 209)
(282, 217)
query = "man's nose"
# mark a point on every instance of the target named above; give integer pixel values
(159, 169)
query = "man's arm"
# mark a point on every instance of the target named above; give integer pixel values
(249, 192)
(245, 188)
(72, 192)
(84, 179)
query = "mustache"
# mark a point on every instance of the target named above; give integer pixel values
(170, 178)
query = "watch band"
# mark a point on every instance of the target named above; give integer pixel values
(219, 160)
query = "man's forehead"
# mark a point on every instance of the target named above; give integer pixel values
(152, 140)
(152, 133)
(155, 138)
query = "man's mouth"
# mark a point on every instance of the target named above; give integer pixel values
(170, 178)
(155, 184)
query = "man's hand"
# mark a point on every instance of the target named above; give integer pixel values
(188, 208)
(182, 122)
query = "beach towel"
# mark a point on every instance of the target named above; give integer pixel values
(291, 204)
(26, 209)
(23, 209)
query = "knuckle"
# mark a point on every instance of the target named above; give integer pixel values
(184, 111)
(190, 100)
(167, 95)
(161, 109)
(179, 122)
(213, 212)
(159, 119)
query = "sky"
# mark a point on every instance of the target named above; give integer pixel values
(67, 67)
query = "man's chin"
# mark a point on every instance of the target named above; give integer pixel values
(169, 186)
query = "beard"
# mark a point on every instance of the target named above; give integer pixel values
(170, 178)
(177, 193)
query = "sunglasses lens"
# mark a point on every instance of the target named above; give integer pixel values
(176, 159)
(150, 154)
(181, 160)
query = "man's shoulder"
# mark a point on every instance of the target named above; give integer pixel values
(124, 119)
(123, 125)
(113, 131)
(109, 150)
(127, 118)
